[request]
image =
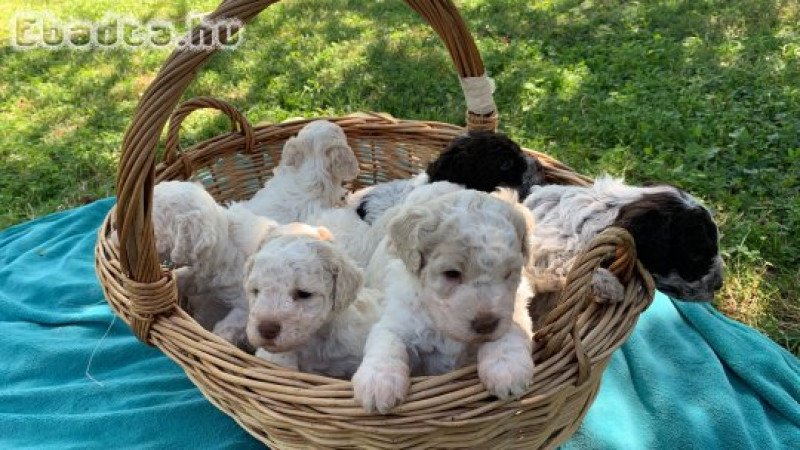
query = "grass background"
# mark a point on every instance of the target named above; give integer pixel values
(704, 94)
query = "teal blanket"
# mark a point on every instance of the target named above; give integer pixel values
(72, 377)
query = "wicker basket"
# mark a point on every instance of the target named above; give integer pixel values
(287, 409)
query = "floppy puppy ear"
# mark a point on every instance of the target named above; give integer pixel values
(522, 219)
(193, 237)
(347, 278)
(648, 220)
(248, 266)
(342, 162)
(409, 231)
(294, 152)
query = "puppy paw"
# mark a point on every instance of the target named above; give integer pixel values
(235, 334)
(606, 287)
(285, 359)
(506, 377)
(380, 386)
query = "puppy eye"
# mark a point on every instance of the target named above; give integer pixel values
(302, 295)
(509, 275)
(452, 275)
(254, 292)
(506, 166)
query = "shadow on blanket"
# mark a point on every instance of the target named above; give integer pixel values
(687, 377)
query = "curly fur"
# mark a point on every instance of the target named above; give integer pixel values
(376, 269)
(309, 178)
(676, 237)
(312, 292)
(207, 244)
(481, 161)
(434, 321)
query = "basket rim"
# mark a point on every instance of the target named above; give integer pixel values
(373, 121)
(437, 402)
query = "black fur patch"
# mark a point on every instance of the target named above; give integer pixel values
(671, 235)
(362, 208)
(533, 176)
(481, 161)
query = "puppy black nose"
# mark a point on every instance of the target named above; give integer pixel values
(269, 330)
(485, 323)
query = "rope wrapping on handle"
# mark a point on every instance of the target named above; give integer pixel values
(478, 94)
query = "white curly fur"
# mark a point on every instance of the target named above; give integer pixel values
(308, 293)
(354, 236)
(309, 178)
(375, 272)
(207, 244)
(431, 321)
(383, 196)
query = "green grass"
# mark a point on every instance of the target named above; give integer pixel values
(702, 94)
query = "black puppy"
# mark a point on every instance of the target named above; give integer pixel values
(482, 161)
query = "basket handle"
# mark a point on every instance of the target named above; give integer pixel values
(562, 325)
(239, 124)
(136, 174)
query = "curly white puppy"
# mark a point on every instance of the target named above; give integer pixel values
(375, 273)
(207, 244)
(308, 310)
(360, 237)
(309, 178)
(452, 290)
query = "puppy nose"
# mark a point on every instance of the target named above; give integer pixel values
(485, 323)
(269, 330)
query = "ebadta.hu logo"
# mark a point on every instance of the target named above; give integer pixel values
(34, 30)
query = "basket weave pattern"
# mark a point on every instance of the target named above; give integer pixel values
(288, 409)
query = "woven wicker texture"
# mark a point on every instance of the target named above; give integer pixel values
(287, 409)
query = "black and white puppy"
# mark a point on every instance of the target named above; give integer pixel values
(676, 238)
(482, 161)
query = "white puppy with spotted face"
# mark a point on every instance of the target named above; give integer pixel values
(307, 308)
(309, 178)
(452, 290)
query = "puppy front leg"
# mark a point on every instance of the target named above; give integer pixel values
(285, 359)
(184, 280)
(505, 366)
(232, 327)
(382, 380)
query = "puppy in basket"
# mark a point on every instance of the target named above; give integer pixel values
(219, 251)
(308, 310)
(479, 160)
(676, 239)
(309, 178)
(482, 161)
(452, 291)
(207, 245)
